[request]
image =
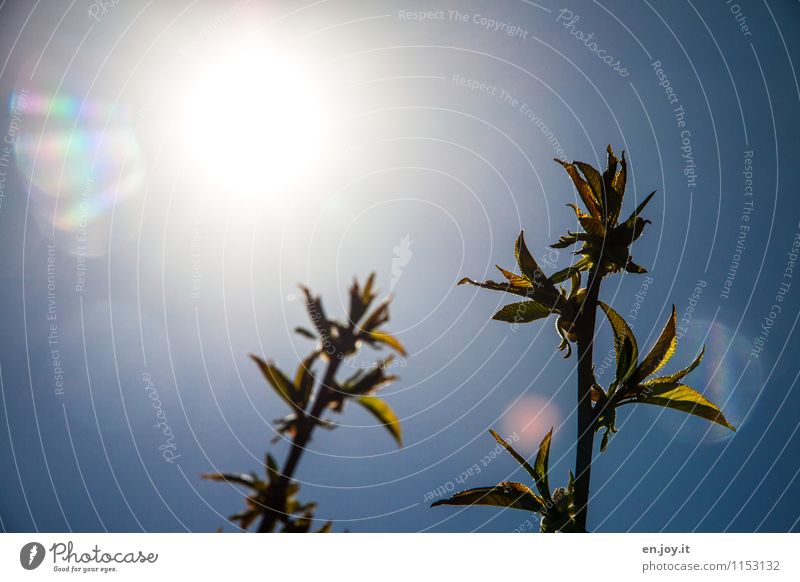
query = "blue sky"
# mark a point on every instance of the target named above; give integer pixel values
(441, 132)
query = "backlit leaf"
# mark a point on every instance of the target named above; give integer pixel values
(506, 494)
(661, 352)
(682, 397)
(494, 286)
(522, 312)
(541, 464)
(530, 268)
(517, 457)
(385, 415)
(304, 379)
(595, 181)
(278, 380)
(624, 344)
(388, 339)
(582, 264)
(680, 374)
(514, 279)
(592, 204)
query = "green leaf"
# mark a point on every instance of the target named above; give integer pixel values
(641, 206)
(361, 384)
(305, 333)
(278, 380)
(494, 286)
(514, 279)
(387, 339)
(273, 471)
(593, 205)
(517, 457)
(385, 415)
(360, 300)
(378, 317)
(684, 398)
(661, 352)
(530, 268)
(522, 312)
(541, 464)
(582, 264)
(624, 344)
(679, 375)
(506, 494)
(304, 379)
(243, 479)
(614, 183)
(595, 181)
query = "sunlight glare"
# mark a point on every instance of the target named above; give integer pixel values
(252, 123)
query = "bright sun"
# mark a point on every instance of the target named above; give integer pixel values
(252, 123)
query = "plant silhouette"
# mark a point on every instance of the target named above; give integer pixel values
(604, 250)
(273, 499)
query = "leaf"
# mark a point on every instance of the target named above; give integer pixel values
(385, 415)
(316, 313)
(517, 457)
(514, 279)
(304, 379)
(595, 181)
(305, 333)
(378, 317)
(360, 300)
(361, 384)
(522, 312)
(584, 191)
(614, 183)
(494, 286)
(681, 373)
(541, 464)
(326, 527)
(273, 471)
(686, 399)
(624, 344)
(278, 380)
(530, 268)
(641, 206)
(387, 339)
(506, 494)
(661, 352)
(582, 264)
(243, 479)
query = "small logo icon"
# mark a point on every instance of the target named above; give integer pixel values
(402, 255)
(31, 555)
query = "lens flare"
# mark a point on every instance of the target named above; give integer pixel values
(728, 377)
(530, 418)
(79, 157)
